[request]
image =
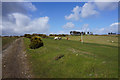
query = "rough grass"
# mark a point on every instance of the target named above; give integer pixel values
(107, 40)
(85, 60)
(6, 41)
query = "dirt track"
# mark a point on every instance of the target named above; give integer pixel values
(14, 63)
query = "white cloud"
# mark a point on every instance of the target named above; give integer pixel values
(20, 24)
(106, 0)
(115, 27)
(85, 28)
(60, 1)
(14, 1)
(30, 6)
(61, 32)
(115, 24)
(68, 25)
(75, 15)
(106, 5)
(17, 7)
(88, 10)
(99, 31)
(104, 30)
(111, 28)
(16, 21)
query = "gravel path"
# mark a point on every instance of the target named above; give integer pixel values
(14, 61)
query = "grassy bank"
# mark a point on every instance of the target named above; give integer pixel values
(85, 60)
(6, 41)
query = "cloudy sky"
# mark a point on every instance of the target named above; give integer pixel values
(59, 17)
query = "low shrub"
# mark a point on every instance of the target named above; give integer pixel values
(36, 42)
(28, 36)
(44, 36)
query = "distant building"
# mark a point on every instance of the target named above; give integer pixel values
(89, 33)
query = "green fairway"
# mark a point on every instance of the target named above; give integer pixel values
(80, 60)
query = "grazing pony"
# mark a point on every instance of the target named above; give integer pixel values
(57, 38)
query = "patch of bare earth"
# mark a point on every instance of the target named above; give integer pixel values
(14, 61)
(79, 52)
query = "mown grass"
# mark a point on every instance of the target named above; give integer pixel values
(85, 60)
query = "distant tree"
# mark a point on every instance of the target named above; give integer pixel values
(51, 35)
(87, 32)
(70, 32)
(108, 33)
(91, 33)
(83, 33)
(44, 36)
(56, 35)
(27, 35)
(111, 33)
(74, 32)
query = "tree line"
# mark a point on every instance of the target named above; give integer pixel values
(80, 33)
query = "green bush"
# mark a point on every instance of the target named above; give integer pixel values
(44, 36)
(36, 42)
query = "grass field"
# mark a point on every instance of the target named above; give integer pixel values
(81, 60)
(107, 40)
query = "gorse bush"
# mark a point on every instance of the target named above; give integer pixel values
(44, 36)
(36, 42)
(32, 35)
(28, 36)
